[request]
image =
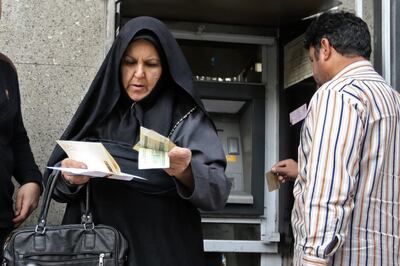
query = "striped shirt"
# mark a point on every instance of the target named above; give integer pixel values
(346, 209)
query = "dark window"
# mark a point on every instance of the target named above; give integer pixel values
(223, 62)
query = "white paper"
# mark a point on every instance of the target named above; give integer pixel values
(298, 114)
(93, 154)
(97, 173)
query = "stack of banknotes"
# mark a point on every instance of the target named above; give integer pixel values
(153, 149)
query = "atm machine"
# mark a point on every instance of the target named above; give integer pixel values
(238, 112)
(231, 73)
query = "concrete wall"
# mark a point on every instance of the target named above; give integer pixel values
(57, 47)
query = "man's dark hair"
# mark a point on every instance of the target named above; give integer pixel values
(346, 32)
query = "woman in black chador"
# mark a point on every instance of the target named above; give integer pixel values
(146, 81)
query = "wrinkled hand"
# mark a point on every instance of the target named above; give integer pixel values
(74, 179)
(26, 202)
(179, 165)
(285, 170)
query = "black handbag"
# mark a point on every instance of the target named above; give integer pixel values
(72, 244)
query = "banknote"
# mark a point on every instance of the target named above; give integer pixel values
(150, 139)
(272, 181)
(153, 149)
(152, 159)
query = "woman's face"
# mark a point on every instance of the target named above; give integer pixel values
(140, 69)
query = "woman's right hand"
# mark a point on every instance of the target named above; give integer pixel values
(73, 179)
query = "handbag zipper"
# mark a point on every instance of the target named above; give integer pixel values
(100, 256)
(101, 259)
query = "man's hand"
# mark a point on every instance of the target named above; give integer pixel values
(73, 179)
(179, 167)
(285, 170)
(26, 202)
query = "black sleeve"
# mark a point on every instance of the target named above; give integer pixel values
(25, 169)
(62, 192)
(208, 163)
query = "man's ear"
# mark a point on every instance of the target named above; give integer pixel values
(326, 49)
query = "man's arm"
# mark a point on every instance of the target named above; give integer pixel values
(337, 133)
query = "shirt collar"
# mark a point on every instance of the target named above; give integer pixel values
(354, 68)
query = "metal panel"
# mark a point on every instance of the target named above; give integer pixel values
(239, 246)
(395, 45)
(270, 13)
(377, 37)
(359, 8)
(269, 227)
(110, 24)
(232, 220)
(223, 37)
(386, 51)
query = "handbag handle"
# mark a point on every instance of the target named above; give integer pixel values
(86, 218)
(42, 220)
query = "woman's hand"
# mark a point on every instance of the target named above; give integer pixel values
(285, 170)
(179, 165)
(73, 180)
(26, 202)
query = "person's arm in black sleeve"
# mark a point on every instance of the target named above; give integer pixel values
(25, 170)
(211, 186)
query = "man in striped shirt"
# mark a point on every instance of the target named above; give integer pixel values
(347, 209)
